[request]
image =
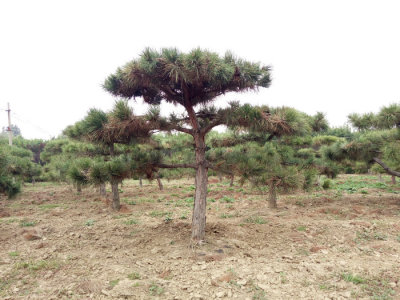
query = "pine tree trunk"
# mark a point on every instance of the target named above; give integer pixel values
(160, 185)
(140, 182)
(102, 189)
(78, 187)
(200, 199)
(232, 177)
(115, 196)
(393, 179)
(272, 196)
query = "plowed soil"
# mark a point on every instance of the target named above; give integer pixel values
(58, 244)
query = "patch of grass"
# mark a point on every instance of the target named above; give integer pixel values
(378, 289)
(113, 283)
(190, 188)
(255, 220)
(127, 201)
(211, 200)
(134, 276)
(226, 199)
(157, 213)
(38, 265)
(302, 228)
(48, 206)
(25, 223)
(168, 219)
(13, 254)
(365, 236)
(300, 203)
(156, 290)
(89, 222)
(12, 220)
(349, 277)
(380, 236)
(283, 277)
(189, 200)
(258, 293)
(226, 216)
(131, 222)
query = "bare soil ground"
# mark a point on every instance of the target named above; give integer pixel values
(334, 244)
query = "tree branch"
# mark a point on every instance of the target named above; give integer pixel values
(176, 166)
(385, 167)
(181, 129)
(210, 126)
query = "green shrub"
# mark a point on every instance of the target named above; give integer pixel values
(326, 184)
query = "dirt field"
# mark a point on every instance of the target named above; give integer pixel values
(341, 243)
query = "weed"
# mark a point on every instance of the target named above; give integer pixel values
(168, 219)
(13, 254)
(12, 220)
(156, 213)
(39, 265)
(259, 293)
(129, 202)
(380, 236)
(113, 283)
(349, 277)
(364, 192)
(89, 222)
(134, 276)
(190, 188)
(283, 277)
(226, 216)
(189, 200)
(156, 290)
(255, 220)
(300, 203)
(302, 228)
(211, 200)
(226, 199)
(183, 216)
(131, 222)
(48, 206)
(25, 223)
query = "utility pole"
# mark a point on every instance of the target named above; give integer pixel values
(9, 125)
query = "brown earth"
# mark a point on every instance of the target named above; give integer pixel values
(57, 244)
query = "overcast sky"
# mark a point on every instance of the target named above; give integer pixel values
(337, 57)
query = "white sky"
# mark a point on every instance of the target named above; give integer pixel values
(338, 56)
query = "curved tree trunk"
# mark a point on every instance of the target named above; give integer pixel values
(200, 199)
(232, 178)
(160, 185)
(385, 167)
(272, 196)
(102, 189)
(115, 196)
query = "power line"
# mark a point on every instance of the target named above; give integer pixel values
(20, 118)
